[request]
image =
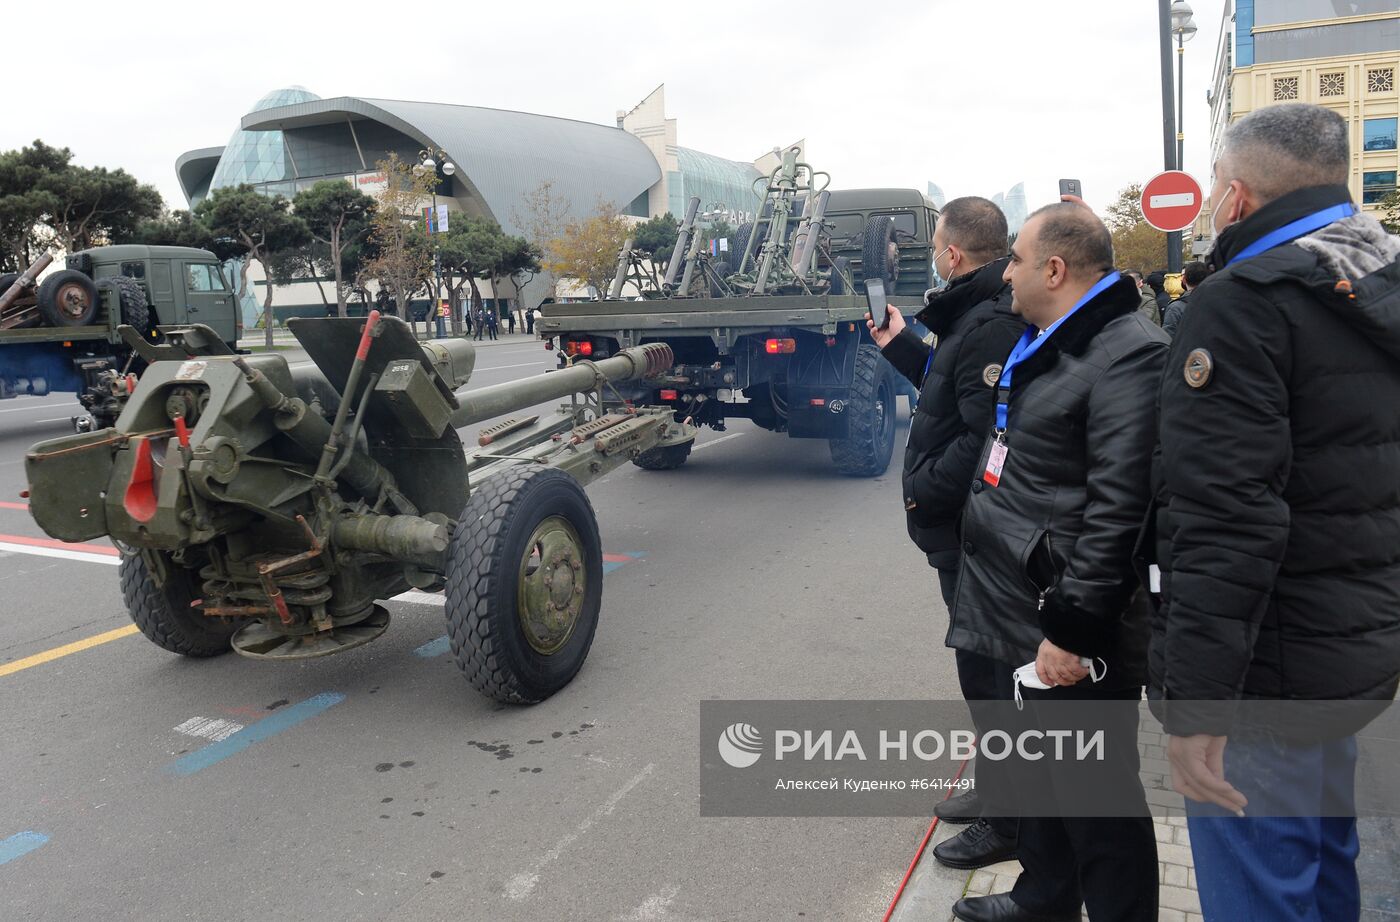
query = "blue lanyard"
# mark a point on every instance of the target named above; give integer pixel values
(1295, 230)
(928, 364)
(1031, 342)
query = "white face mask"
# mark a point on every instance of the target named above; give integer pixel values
(1216, 213)
(945, 281)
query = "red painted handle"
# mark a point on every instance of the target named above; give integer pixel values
(370, 324)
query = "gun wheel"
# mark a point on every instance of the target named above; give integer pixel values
(163, 613)
(524, 585)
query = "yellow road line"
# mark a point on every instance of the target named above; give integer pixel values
(77, 646)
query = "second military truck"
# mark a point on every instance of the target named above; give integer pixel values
(59, 334)
(775, 333)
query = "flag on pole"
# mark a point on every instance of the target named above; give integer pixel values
(428, 218)
(442, 219)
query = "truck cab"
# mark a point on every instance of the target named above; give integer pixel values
(183, 285)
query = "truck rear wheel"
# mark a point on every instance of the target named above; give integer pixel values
(663, 458)
(866, 451)
(164, 615)
(68, 298)
(524, 584)
(880, 256)
(741, 241)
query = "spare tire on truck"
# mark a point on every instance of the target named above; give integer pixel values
(68, 298)
(880, 256)
(132, 297)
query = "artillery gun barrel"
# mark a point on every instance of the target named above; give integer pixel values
(24, 282)
(808, 234)
(488, 402)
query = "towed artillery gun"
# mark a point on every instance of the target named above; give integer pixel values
(269, 507)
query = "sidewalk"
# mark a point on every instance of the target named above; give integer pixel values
(933, 889)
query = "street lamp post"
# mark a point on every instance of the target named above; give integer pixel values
(426, 162)
(1184, 28)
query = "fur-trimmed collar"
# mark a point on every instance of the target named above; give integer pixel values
(1079, 329)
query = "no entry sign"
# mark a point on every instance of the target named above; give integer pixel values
(1171, 201)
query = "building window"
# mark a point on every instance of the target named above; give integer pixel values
(1285, 88)
(1333, 84)
(1380, 134)
(1380, 80)
(1376, 185)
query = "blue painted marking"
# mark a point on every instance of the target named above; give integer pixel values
(20, 844)
(254, 733)
(434, 647)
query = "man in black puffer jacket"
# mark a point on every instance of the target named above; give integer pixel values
(1278, 533)
(1047, 576)
(976, 329)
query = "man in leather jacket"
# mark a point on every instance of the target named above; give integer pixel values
(975, 328)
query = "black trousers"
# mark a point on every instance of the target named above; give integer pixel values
(1107, 863)
(981, 679)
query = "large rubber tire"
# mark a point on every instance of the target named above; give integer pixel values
(488, 567)
(68, 298)
(741, 240)
(132, 297)
(838, 281)
(665, 458)
(866, 452)
(880, 256)
(164, 615)
(721, 271)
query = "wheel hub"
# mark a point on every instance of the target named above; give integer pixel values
(551, 585)
(72, 301)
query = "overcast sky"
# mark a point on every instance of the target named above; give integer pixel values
(972, 95)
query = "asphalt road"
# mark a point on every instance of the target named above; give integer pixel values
(377, 784)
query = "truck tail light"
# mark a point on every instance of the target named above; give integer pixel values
(818, 401)
(668, 395)
(780, 346)
(579, 348)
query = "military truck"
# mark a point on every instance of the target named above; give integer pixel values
(775, 332)
(59, 334)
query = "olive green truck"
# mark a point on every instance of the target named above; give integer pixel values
(58, 333)
(774, 332)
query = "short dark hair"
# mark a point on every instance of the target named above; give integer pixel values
(1076, 235)
(976, 225)
(1279, 149)
(1194, 272)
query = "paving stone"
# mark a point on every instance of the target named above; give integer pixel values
(1175, 876)
(1179, 898)
(980, 882)
(1183, 835)
(1170, 915)
(1162, 831)
(1175, 854)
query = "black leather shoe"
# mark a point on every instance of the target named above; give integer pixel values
(999, 907)
(975, 847)
(965, 808)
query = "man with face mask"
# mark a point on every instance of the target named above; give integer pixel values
(1278, 528)
(971, 316)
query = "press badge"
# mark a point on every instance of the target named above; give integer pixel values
(996, 460)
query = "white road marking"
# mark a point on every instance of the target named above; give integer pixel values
(713, 442)
(423, 598)
(655, 907)
(34, 407)
(523, 884)
(209, 728)
(60, 553)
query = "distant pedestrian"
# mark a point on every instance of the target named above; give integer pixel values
(510, 321)
(493, 319)
(480, 323)
(1278, 534)
(530, 321)
(1193, 274)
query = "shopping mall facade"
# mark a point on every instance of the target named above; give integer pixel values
(292, 139)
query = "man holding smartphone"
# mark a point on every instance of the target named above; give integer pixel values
(971, 316)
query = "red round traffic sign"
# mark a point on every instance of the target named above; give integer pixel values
(1171, 201)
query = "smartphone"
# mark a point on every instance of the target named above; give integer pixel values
(1071, 187)
(879, 304)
